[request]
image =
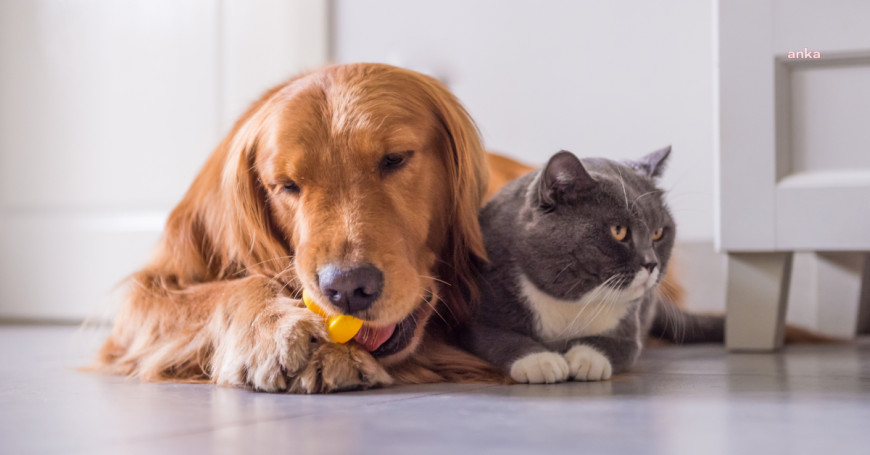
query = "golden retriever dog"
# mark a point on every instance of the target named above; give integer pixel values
(360, 184)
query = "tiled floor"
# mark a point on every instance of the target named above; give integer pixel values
(692, 400)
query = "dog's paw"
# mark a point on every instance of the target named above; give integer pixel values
(540, 368)
(286, 348)
(336, 367)
(587, 364)
(266, 353)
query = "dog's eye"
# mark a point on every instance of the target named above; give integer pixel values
(290, 187)
(394, 161)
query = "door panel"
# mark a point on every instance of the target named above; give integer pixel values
(107, 111)
(830, 114)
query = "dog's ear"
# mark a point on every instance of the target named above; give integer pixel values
(222, 226)
(465, 159)
(246, 217)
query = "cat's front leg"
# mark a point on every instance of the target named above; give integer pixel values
(524, 359)
(598, 358)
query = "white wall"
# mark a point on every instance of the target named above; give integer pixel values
(107, 110)
(612, 79)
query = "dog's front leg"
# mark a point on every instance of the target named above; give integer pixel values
(235, 332)
(283, 346)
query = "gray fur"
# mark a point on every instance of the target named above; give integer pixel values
(553, 227)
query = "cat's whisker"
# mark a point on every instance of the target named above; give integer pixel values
(605, 303)
(634, 203)
(646, 225)
(591, 299)
(573, 286)
(673, 317)
(608, 302)
(563, 271)
(678, 323)
(624, 192)
(661, 293)
(664, 306)
(604, 287)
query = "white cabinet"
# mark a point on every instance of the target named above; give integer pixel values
(794, 157)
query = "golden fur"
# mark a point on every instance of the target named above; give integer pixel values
(501, 171)
(219, 300)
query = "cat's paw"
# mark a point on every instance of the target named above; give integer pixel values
(587, 364)
(540, 368)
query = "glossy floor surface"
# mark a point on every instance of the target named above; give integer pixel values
(678, 400)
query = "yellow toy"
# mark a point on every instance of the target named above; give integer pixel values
(341, 328)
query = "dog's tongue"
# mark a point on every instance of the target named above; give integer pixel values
(372, 338)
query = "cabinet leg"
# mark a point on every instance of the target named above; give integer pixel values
(863, 327)
(756, 299)
(838, 300)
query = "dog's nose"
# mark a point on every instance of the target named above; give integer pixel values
(352, 288)
(649, 266)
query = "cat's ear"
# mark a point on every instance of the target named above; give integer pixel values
(562, 180)
(653, 164)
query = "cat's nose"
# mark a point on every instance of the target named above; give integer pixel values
(649, 266)
(353, 288)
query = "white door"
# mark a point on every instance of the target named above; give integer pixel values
(107, 111)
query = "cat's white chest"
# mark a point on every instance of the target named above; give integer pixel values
(599, 311)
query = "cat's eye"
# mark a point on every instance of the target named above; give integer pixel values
(657, 235)
(619, 233)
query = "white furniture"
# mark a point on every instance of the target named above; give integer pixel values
(794, 160)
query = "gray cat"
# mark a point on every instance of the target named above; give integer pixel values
(577, 250)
